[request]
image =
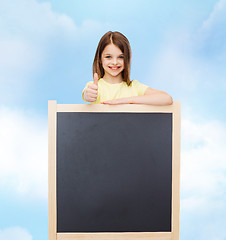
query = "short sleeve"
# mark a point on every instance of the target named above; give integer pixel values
(140, 87)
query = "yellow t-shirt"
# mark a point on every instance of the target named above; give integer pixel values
(108, 91)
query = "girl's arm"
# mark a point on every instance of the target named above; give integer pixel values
(151, 96)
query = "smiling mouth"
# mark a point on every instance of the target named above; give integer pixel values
(114, 68)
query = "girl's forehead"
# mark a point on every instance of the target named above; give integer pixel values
(112, 48)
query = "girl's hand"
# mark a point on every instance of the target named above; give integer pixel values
(118, 101)
(91, 92)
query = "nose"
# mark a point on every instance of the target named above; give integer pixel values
(114, 60)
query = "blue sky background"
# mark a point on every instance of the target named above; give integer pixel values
(46, 53)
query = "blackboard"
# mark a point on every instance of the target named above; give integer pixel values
(114, 172)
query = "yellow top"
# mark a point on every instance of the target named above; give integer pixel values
(108, 91)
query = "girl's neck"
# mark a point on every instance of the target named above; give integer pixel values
(110, 79)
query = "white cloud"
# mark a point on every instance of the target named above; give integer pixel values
(211, 35)
(23, 153)
(31, 28)
(192, 62)
(203, 159)
(33, 20)
(203, 179)
(174, 68)
(18, 60)
(27, 29)
(216, 16)
(13, 233)
(31, 37)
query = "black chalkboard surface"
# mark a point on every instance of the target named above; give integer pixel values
(114, 172)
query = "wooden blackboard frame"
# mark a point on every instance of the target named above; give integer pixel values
(53, 108)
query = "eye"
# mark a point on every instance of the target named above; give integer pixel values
(108, 56)
(121, 57)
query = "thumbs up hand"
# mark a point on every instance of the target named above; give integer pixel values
(95, 78)
(91, 91)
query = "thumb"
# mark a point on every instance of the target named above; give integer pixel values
(95, 78)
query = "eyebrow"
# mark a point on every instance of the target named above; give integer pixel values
(110, 54)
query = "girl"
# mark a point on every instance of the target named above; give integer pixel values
(111, 76)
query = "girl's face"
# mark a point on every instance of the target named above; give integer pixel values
(112, 60)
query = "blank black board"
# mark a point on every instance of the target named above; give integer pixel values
(114, 172)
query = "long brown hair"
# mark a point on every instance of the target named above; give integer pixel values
(122, 43)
